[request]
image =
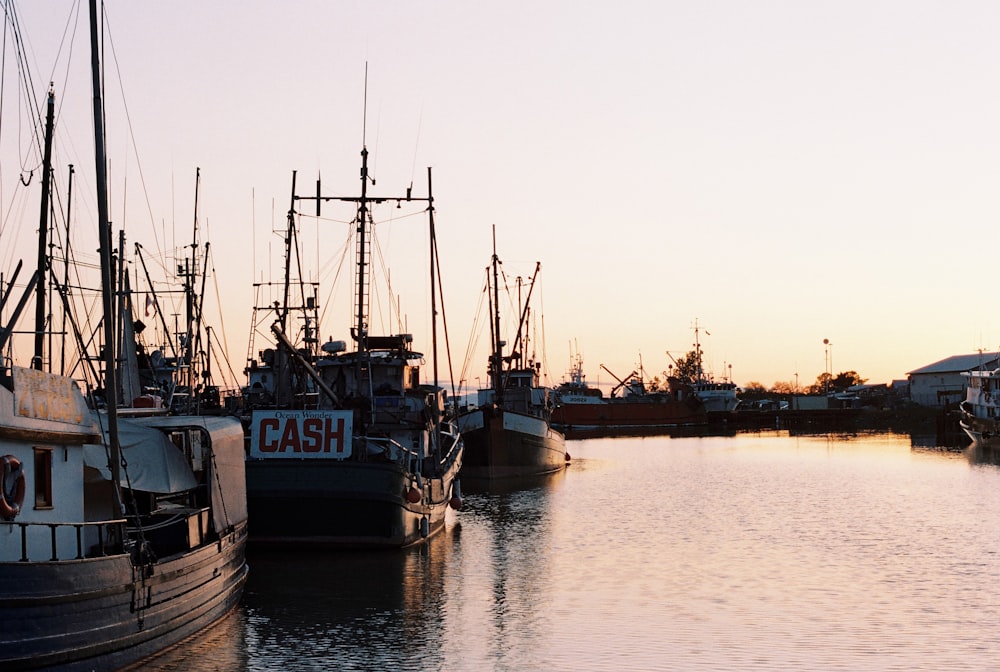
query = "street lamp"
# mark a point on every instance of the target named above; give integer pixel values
(828, 362)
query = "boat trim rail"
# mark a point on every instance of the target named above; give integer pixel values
(110, 534)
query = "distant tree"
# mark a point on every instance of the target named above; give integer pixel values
(827, 383)
(846, 379)
(754, 389)
(822, 384)
(685, 368)
(783, 387)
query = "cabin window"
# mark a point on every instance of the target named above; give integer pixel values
(43, 478)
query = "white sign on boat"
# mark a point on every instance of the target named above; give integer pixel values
(301, 434)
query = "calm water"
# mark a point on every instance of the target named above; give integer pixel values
(748, 552)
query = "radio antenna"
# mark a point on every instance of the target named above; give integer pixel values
(364, 121)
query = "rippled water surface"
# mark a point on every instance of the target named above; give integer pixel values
(747, 552)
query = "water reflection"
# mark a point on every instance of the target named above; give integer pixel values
(507, 536)
(346, 610)
(507, 486)
(765, 550)
(221, 643)
(979, 454)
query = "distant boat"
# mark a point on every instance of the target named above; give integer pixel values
(583, 410)
(118, 537)
(720, 397)
(346, 448)
(980, 411)
(509, 433)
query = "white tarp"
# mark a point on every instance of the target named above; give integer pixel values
(154, 464)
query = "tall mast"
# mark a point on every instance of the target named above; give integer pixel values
(362, 318)
(43, 230)
(497, 357)
(189, 294)
(697, 353)
(289, 236)
(107, 276)
(363, 222)
(433, 252)
(63, 289)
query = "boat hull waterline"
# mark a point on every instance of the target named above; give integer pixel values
(505, 444)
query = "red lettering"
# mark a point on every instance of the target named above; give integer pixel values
(264, 444)
(299, 434)
(335, 439)
(290, 437)
(312, 435)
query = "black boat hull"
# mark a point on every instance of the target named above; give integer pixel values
(329, 503)
(100, 613)
(501, 444)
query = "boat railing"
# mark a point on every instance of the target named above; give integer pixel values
(109, 537)
(411, 459)
(394, 450)
(450, 430)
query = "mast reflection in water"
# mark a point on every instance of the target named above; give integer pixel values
(750, 552)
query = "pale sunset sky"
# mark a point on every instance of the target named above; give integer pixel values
(781, 172)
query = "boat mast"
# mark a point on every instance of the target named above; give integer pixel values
(63, 289)
(697, 353)
(434, 269)
(43, 229)
(361, 326)
(107, 276)
(496, 360)
(518, 346)
(189, 295)
(289, 236)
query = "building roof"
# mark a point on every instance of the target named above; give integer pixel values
(960, 363)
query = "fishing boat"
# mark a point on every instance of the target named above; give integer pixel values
(119, 537)
(347, 447)
(631, 408)
(101, 567)
(719, 396)
(980, 411)
(509, 433)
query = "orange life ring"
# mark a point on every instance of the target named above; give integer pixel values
(11, 498)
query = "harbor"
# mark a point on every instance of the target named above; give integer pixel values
(242, 428)
(757, 551)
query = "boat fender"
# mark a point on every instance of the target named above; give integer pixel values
(413, 495)
(12, 492)
(456, 497)
(425, 528)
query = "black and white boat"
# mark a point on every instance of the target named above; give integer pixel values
(347, 447)
(118, 537)
(509, 434)
(980, 411)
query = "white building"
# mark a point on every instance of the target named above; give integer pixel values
(942, 383)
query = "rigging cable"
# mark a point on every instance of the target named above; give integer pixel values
(131, 133)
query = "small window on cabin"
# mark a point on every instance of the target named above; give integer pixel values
(43, 478)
